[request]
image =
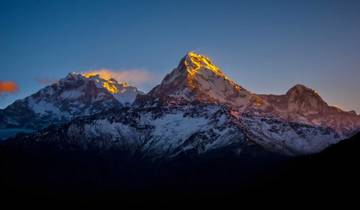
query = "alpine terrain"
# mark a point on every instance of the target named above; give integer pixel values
(195, 110)
(95, 138)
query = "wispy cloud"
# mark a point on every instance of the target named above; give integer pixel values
(8, 87)
(135, 77)
(45, 81)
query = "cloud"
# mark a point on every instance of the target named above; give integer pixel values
(137, 78)
(8, 87)
(45, 81)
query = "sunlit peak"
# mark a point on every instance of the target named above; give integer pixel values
(102, 74)
(194, 62)
(106, 81)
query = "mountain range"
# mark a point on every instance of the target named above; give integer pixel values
(195, 110)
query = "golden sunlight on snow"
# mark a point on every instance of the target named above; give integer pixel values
(106, 81)
(195, 62)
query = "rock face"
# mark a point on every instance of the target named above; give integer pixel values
(195, 110)
(73, 96)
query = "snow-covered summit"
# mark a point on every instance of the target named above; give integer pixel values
(122, 91)
(193, 62)
(196, 78)
(72, 96)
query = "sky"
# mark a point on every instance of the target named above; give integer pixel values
(265, 46)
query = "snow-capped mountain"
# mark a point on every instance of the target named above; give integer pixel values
(298, 122)
(197, 109)
(197, 79)
(73, 96)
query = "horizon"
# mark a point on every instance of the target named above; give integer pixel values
(266, 48)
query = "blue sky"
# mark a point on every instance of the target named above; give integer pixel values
(265, 46)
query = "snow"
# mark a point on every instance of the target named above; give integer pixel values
(45, 108)
(126, 96)
(221, 89)
(99, 97)
(292, 140)
(105, 134)
(202, 129)
(173, 129)
(121, 91)
(168, 135)
(71, 94)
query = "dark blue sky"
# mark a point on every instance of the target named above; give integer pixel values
(265, 46)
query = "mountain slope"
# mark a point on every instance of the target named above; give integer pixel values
(153, 132)
(163, 132)
(73, 96)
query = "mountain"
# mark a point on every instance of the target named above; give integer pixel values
(297, 121)
(197, 79)
(196, 110)
(304, 105)
(73, 96)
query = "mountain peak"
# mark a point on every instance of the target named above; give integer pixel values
(104, 80)
(73, 76)
(104, 77)
(193, 62)
(300, 89)
(196, 78)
